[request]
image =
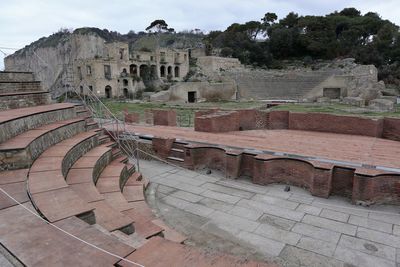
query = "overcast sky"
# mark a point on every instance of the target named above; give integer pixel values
(24, 21)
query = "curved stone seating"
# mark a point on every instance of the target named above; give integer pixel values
(17, 121)
(41, 243)
(49, 192)
(21, 150)
(82, 177)
(159, 252)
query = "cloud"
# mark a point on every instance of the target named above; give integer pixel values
(24, 21)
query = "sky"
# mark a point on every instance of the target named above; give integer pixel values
(25, 21)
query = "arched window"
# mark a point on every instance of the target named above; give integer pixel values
(176, 71)
(125, 82)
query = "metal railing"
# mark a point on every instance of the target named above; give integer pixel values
(108, 121)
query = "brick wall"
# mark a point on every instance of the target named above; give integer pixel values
(221, 121)
(278, 120)
(164, 117)
(335, 124)
(391, 129)
(320, 179)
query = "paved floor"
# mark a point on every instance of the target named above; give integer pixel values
(290, 228)
(341, 147)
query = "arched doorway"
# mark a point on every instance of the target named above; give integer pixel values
(144, 72)
(169, 70)
(176, 71)
(162, 71)
(126, 94)
(133, 69)
(108, 91)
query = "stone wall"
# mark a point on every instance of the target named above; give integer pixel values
(210, 91)
(211, 64)
(12, 76)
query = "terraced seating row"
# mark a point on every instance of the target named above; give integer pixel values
(35, 243)
(17, 93)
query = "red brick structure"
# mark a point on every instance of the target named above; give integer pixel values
(220, 121)
(162, 146)
(321, 179)
(164, 117)
(133, 117)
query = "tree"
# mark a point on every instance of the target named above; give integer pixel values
(159, 25)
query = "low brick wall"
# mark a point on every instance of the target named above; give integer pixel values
(164, 117)
(132, 117)
(335, 124)
(278, 120)
(321, 179)
(391, 129)
(221, 121)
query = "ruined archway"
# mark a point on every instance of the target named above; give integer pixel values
(133, 69)
(162, 71)
(108, 91)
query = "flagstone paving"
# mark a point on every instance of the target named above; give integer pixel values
(265, 222)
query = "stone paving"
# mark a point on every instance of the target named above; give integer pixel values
(291, 228)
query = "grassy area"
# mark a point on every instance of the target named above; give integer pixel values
(339, 109)
(186, 111)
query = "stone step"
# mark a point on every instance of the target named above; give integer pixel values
(175, 159)
(177, 153)
(20, 151)
(17, 121)
(20, 231)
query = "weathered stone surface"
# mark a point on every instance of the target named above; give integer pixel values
(379, 237)
(334, 215)
(309, 209)
(368, 247)
(358, 258)
(277, 234)
(265, 245)
(316, 232)
(317, 246)
(330, 224)
(381, 104)
(371, 224)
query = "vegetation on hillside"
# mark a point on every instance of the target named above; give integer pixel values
(367, 38)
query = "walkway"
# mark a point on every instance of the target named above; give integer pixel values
(264, 222)
(339, 147)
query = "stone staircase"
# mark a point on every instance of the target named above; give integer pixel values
(261, 85)
(69, 197)
(19, 89)
(177, 155)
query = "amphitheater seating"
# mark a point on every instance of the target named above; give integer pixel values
(261, 85)
(19, 90)
(74, 177)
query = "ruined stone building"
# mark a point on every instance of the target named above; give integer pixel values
(108, 68)
(120, 73)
